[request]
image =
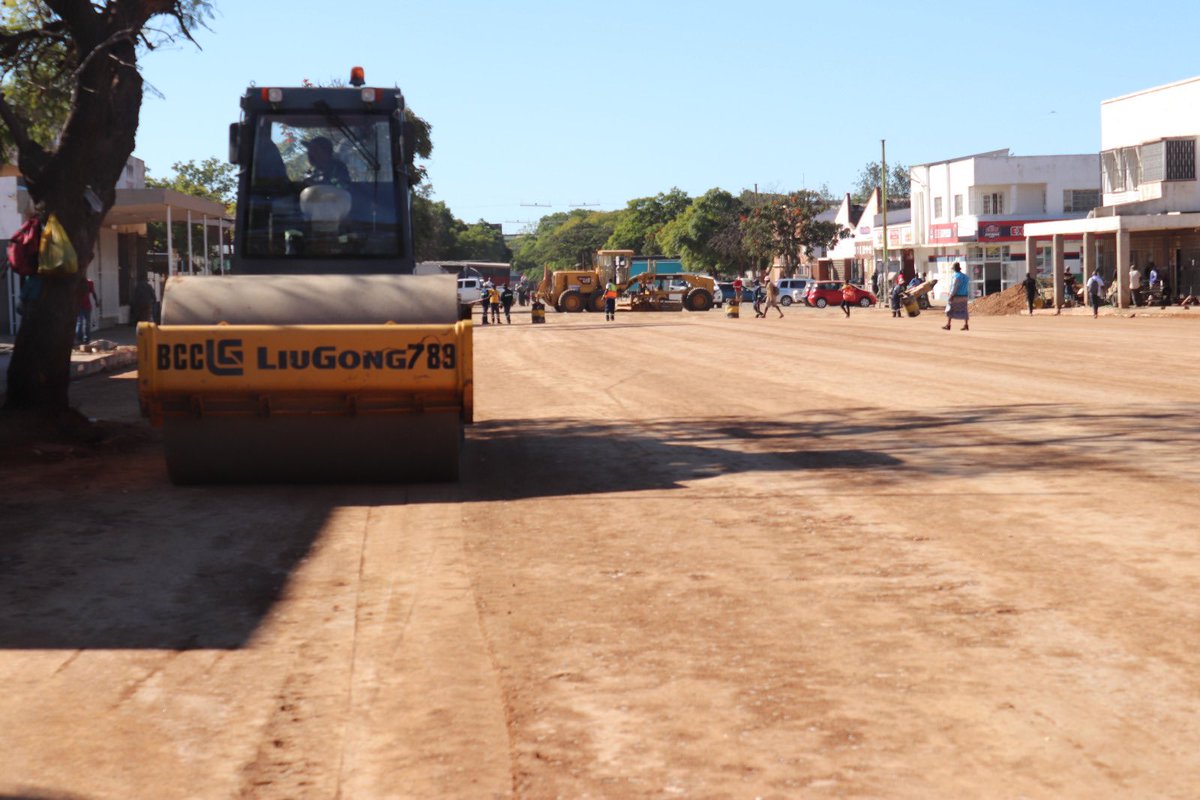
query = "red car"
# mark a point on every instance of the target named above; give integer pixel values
(829, 293)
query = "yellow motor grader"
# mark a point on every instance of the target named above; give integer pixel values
(583, 288)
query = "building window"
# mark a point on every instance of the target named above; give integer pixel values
(937, 208)
(1150, 157)
(1081, 199)
(1180, 160)
(958, 205)
(993, 203)
(1110, 172)
(1131, 166)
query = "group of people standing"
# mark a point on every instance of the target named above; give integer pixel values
(1094, 288)
(494, 300)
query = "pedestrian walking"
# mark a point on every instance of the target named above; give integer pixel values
(847, 298)
(83, 321)
(758, 299)
(1095, 291)
(772, 298)
(506, 302)
(957, 303)
(1031, 288)
(897, 299)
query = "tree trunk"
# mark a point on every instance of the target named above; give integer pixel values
(77, 183)
(39, 373)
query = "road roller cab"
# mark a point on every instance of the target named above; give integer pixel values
(320, 356)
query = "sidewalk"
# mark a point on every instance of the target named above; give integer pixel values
(111, 350)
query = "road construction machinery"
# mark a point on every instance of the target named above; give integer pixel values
(320, 357)
(583, 288)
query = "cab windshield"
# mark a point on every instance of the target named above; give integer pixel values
(322, 186)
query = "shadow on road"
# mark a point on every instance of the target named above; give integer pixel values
(101, 552)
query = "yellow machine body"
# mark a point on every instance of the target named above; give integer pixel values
(265, 370)
(308, 378)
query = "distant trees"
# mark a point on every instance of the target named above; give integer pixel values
(870, 178)
(561, 238)
(716, 233)
(708, 234)
(439, 235)
(642, 220)
(786, 226)
(213, 179)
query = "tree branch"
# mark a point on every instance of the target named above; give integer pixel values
(32, 157)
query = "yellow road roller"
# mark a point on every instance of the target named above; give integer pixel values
(319, 356)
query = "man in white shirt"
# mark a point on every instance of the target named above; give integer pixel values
(1095, 291)
(1135, 282)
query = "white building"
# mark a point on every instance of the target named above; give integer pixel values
(974, 210)
(1151, 199)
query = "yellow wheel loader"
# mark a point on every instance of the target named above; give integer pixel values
(320, 357)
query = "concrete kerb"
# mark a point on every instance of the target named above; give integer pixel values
(113, 350)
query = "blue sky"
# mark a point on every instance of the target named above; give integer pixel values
(571, 103)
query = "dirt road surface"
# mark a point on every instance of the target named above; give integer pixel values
(689, 557)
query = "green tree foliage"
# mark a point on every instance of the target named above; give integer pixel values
(38, 86)
(708, 235)
(440, 236)
(482, 242)
(643, 218)
(561, 238)
(869, 180)
(787, 225)
(213, 179)
(435, 228)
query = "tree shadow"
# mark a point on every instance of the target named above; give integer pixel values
(129, 562)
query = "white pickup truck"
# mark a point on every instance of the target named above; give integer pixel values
(470, 292)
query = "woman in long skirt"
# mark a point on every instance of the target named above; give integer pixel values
(956, 306)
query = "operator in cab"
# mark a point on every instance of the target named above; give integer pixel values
(325, 168)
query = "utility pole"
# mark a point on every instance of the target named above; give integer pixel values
(883, 193)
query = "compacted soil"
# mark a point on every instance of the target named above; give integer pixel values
(689, 556)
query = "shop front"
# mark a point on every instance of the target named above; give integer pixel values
(993, 256)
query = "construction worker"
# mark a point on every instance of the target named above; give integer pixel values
(485, 300)
(610, 301)
(506, 301)
(494, 299)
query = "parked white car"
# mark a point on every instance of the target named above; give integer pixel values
(470, 290)
(792, 290)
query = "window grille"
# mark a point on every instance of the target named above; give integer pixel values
(1110, 167)
(1081, 199)
(1152, 161)
(1180, 160)
(958, 205)
(1130, 166)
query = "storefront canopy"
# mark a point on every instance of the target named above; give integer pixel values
(139, 206)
